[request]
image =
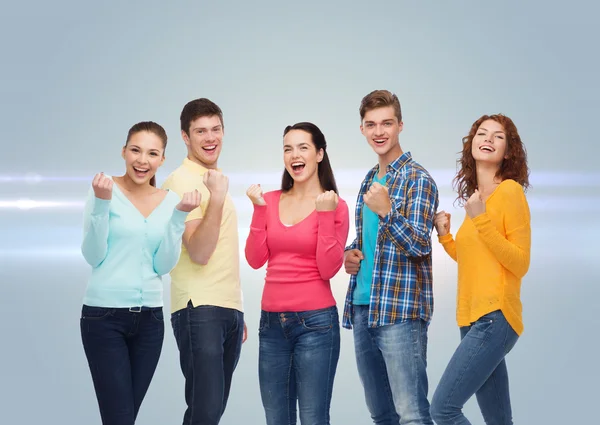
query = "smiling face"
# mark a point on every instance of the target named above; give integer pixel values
(204, 140)
(382, 129)
(143, 155)
(300, 156)
(489, 143)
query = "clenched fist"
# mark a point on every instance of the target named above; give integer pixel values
(441, 222)
(255, 194)
(327, 201)
(190, 201)
(352, 259)
(378, 199)
(475, 205)
(102, 186)
(216, 183)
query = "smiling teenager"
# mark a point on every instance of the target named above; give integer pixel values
(492, 248)
(390, 299)
(300, 232)
(132, 236)
(206, 297)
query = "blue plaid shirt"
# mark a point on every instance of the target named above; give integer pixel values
(402, 286)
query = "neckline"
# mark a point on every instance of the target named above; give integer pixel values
(115, 184)
(289, 226)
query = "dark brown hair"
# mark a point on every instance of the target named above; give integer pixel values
(150, 127)
(380, 99)
(513, 167)
(324, 170)
(198, 108)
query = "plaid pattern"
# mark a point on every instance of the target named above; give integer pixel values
(402, 286)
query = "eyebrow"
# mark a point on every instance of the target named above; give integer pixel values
(287, 145)
(136, 146)
(205, 128)
(499, 131)
(384, 121)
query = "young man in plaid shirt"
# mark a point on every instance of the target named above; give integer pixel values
(390, 298)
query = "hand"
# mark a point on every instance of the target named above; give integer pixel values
(441, 222)
(255, 194)
(378, 199)
(190, 201)
(102, 186)
(216, 183)
(475, 205)
(352, 259)
(327, 201)
(245, 336)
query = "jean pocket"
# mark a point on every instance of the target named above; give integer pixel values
(320, 320)
(491, 317)
(157, 314)
(95, 313)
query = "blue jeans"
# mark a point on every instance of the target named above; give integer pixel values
(298, 357)
(209, 339)
(392, 362)
(122, 349)
(477, 367)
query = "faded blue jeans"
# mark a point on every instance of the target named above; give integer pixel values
(477, 367)
(298, 357)
(392, 362)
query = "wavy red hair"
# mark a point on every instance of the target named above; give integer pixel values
(514, 167)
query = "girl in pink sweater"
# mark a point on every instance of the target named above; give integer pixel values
(300, 232)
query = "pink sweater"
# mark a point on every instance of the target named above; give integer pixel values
(302, 258)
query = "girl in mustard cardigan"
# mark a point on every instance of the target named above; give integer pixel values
(492, 249)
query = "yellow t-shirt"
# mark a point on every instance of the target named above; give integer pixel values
(492, 251)
(218, 282)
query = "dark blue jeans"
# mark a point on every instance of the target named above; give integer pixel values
(122, 348)
(209, 339)
(477, 367)
(392, 362)
(298, 358)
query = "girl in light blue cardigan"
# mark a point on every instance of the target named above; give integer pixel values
(132, 236)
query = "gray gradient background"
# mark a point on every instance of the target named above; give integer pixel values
(76, 75)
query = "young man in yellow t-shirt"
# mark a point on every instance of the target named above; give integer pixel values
(206, 298)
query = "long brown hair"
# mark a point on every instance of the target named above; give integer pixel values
(324, 170)
(513, 167)
(150, 127)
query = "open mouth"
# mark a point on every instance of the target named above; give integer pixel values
(487, 148)
(379, 142)
(141, 171)
(209, 148)
(298, 166)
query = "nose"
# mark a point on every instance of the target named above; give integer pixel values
(379, 130)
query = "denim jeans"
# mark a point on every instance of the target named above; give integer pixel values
(392, 362)
(209, 339)
(298, 357)
(477, 367)
(122, 349)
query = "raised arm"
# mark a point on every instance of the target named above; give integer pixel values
(332, 235)
(441, 221)
(94, 246)
(202, 234)
(169, 249)
(449, 245)
(512, 251)
(256, 250)
(411, 234)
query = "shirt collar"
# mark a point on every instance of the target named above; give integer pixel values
(195, 167)
(397, 164)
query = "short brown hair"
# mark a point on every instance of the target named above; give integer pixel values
(380, 99)
(199, 108)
